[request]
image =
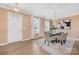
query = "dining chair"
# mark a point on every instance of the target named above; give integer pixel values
(54, 39)
(47, 38)
(65, 37)
(62, 38)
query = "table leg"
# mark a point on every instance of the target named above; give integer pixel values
(56, 38)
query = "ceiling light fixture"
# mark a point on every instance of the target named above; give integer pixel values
(15, 8)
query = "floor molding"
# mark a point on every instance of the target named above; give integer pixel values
(36, 38)
(25, 39)
(3, 44)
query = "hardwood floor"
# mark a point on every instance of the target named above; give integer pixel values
(22, 48)
(29, 48)
(75, 50)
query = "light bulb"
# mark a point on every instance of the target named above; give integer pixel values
(16, 9)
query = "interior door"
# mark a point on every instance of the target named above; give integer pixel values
(15, 22)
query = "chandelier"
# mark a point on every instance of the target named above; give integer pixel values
(15, 8)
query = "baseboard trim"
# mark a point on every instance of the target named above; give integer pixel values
(37, 37)
(13, 42)
(32, 38)
(25, 39)
(3, 44)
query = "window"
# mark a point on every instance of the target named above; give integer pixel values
(36, 25)
(47, 25)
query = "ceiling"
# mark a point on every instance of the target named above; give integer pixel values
(49, 10)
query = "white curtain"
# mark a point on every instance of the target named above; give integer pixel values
(15, 24)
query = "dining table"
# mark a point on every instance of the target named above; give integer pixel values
(55, 34)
